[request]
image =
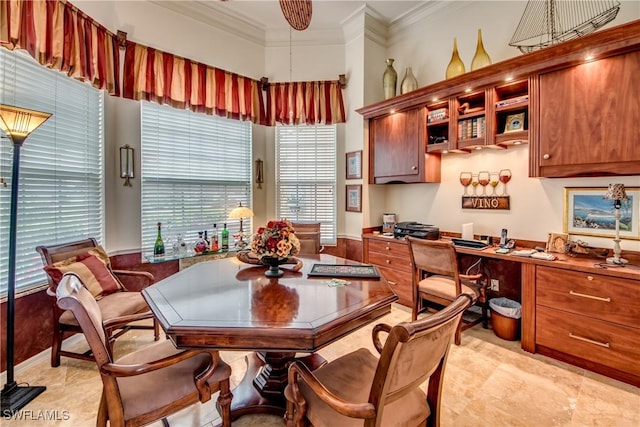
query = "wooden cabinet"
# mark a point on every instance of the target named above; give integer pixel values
(397, 149)
(590, 320)
(580, 118)
(393, 260)
(589, 119)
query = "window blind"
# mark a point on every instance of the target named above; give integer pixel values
(306, 176)
(195, 169)
(61, 192)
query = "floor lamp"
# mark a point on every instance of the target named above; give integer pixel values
(17, 123)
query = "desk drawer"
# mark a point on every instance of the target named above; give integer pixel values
(600, 342)
(606, 298)
(389, 261)
(401, 283)
(389, 247)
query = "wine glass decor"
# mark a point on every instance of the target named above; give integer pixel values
(474, 183)
(483, 180)
(505, 177)
(465, 180)
(494, 180)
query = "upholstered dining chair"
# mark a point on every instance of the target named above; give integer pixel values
(309, 235)
(361, 389)
(148, 384)
(436, 278)
(88, 259)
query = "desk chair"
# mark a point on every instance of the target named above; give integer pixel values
(436, 278)
(119, 303)
(148, 384)
(309, 235)
(360, 389)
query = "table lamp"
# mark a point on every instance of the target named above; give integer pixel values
(240, 213)
(17, 123)
(617, 194)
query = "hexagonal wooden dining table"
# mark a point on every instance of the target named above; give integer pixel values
(229, 305)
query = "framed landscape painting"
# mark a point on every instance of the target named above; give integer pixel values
(587, 213)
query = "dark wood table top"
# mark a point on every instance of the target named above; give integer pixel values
(227, 304)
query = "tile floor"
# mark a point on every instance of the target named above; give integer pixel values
(488, 382)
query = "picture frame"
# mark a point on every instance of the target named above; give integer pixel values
(587, 213)
(557, 242)
(514, 123)
(354, 165)
(354, 198)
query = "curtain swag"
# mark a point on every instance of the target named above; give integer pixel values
(295, 103)
(161, 77)
(61, 37)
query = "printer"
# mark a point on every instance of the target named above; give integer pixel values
(417, 230)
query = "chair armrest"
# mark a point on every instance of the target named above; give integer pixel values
(117, 322)
(471, 276)
(380, 327)
(134, 280)
(355, 410)
(118, 370)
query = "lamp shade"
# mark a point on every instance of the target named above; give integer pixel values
(241, 212)
(615, 192)
(18, 122)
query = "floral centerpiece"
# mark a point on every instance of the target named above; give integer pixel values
(275, 243)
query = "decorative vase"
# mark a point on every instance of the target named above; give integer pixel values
(409, 82)
(389, 80)
(456, 66)
(481, 58)
(274, 266)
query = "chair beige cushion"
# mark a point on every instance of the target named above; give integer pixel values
(350, 377)
(445, 287)
(112, 306)
(91, 269)
(141, 392)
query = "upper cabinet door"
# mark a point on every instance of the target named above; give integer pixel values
(590, 118)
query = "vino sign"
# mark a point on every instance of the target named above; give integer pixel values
(485, 202)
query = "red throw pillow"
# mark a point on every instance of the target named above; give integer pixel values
(95, 275)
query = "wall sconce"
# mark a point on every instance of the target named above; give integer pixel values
(259, 173)
(126, 165)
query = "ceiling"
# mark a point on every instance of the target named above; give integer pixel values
(262, 20)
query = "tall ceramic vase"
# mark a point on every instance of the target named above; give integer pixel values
(389, 80)
(481, 58)
(409, 82)
(456, 66)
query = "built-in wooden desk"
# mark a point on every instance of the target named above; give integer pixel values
(576, 309)
(229, 305)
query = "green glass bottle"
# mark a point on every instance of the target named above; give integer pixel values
(224, 238)
(158, 248)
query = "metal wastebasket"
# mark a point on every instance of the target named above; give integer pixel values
(505, 318)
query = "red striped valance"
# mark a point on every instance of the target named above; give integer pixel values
(161, 77)
(310, 103)
(60, 36)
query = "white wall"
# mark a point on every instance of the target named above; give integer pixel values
(536, 204)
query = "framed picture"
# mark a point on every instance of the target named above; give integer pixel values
(557, 242)
(586, 212)
(354, 198)
(354, 165)
(514, 123)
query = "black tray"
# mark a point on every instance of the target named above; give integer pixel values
(345, 270)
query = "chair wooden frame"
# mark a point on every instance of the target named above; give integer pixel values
(54, 253)
(309, 235)
(119, 405)
(434, 257)
(397, 374)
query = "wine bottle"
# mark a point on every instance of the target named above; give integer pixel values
(206, 240)
(158, 248)
(215, 245)
(224, 234)
(200, 245)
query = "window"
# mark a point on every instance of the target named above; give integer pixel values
(61, 165)
(306, 176)
(195, 169)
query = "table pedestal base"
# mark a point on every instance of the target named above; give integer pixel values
(261, 390)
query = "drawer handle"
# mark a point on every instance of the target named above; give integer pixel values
(391, 283)
(387, 248)
(576, 294)
(388, 261)
(578, 337)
